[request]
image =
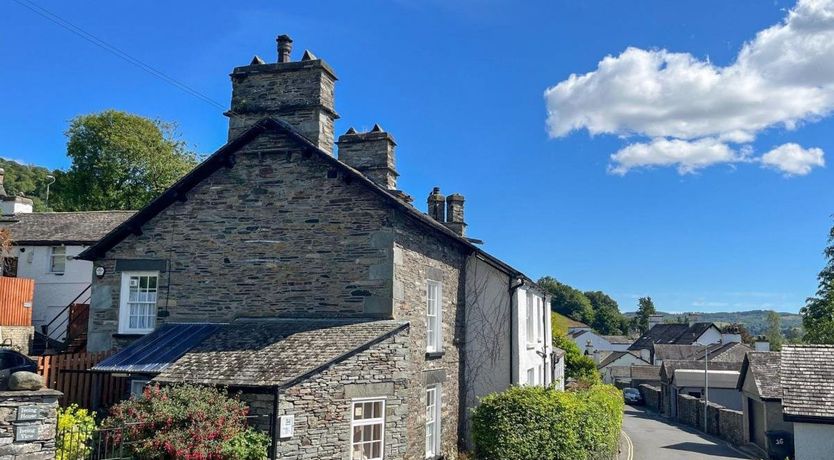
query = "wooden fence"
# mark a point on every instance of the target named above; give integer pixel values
(16, 295)
(69, 374)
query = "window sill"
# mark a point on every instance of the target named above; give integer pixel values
(531, 346)
(129, 335)
(434, 354)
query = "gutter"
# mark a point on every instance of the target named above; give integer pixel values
(512, 289)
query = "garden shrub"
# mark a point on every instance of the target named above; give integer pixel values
(186, 422)
(535, 423)
(75, 431)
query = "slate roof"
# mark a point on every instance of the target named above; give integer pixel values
(49, 228)
(732, 351)
(275, 353)
(645, 372)
(807, 377)
(613, 356)
(153, 353)
(618, 339)
(764, 369)
(673, 333)
(668, 368)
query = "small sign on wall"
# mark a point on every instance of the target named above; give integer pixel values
(28, 413)
(27, 432)
(287, 426)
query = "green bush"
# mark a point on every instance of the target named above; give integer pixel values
(186, 422)
(75, 430)
(535, 423)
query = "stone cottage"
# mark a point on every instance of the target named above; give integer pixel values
(310, 283)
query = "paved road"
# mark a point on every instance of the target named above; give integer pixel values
(653, 438)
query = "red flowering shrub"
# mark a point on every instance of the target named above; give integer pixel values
(180, 422)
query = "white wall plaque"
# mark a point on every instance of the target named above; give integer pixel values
(287, 426)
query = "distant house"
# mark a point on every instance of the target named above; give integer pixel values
(616, 367)
(44, 248)
(687, 377)
(762, 399)
(589, 341)
(674, 334)
(729, 352)
(806, 373)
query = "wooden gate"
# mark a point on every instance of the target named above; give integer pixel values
(69, 373)
(16, 295)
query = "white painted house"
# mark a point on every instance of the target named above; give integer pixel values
(44, 248)
(507, 332)
(589, 341)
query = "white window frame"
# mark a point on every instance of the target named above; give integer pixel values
(365, 422)
(434, 317)
(141, 384)
(530, 311)
(124, 309)
(433, 417)
(53, 256)
(539, 319)
(531, 376)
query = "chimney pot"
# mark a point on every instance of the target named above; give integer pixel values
(284, 48)
(436, 208)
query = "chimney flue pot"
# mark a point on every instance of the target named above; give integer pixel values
(437, 205)
(284, 48)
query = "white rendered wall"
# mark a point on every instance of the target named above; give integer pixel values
(813, 441)
(710, 336)
(53, 291)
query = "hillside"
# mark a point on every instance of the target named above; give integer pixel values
(754, 320)
(26, 180)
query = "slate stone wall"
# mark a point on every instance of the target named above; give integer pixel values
(418, 258)
(722, 422)
(20, 337)
(322, 404)
(651, 396)
(279, 234)
(41, 427)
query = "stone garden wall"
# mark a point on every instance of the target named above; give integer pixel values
(722, 422)
(651, 396)
(28, 422)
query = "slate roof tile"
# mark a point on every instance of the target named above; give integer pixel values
(764, 367)
(807, 377)
(44, 228)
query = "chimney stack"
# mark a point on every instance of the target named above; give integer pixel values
(299, 93)
(284, 48)
(761, 344)
(655, 320)
(436, 205)
(372, 154)
(454, 213)
(693, 318)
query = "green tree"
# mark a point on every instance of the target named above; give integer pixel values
(774, 330)
(645, 309)
(29, 181)
(577, 365)
(818, 312)
(119, 161)
(607, 317)
(568, 301)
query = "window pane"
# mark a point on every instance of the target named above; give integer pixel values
(377, 450)
(357, 434)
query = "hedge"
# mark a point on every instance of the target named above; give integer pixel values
(535, 423)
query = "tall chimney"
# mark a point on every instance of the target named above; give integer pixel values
(284, 48)
(436, 208)
(299, 93)
(454, 213)
(372, 154)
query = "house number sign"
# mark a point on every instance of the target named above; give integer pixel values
(28, 413)
(27, 432)
(287, 426)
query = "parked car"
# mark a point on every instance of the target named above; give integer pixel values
(632, 396)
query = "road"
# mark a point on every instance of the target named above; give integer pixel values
(654, 438)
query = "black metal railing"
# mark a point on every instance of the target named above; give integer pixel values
(120, 443)
(56, 333)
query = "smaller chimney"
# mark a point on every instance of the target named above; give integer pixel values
(436, 205)
(454, 213)
(761, 344)
(284, 48)
(655, 320)
(693, 318)
(370, 153)
(589, 349)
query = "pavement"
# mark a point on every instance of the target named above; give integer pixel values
(646, 436)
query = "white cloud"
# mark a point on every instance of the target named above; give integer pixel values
(793, 160)
(783, 77)
(687, 156)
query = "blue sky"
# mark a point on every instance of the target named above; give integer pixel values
(703, 208)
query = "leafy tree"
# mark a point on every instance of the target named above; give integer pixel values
(29, 181)
(774, 331)
(645, 309)
(607, 317)
(577, 365)
(119, 161)
(568, 301)
(818, 312)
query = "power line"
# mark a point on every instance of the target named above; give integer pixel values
(49, 15)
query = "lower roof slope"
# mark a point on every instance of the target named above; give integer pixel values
(764, 369)
(51, 228)
(275, 352)
(807, 378)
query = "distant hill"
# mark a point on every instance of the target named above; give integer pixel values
(754, 320)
